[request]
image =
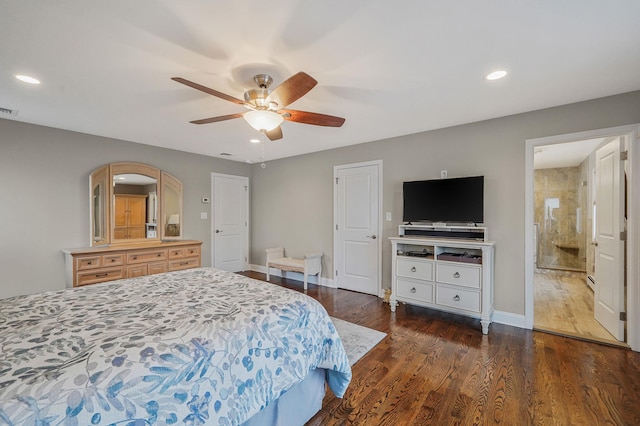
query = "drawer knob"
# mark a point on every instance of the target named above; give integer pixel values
(159, 255)
(102, 275)
(135, 257)
(413, 290)
(456, 275)
(89, 263)
(413, 269)
(113, 260)
(456, 298)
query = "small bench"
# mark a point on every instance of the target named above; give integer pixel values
(310, 265)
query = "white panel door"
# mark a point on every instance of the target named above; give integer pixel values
(357, 260)
(230, 222)
(609, 259)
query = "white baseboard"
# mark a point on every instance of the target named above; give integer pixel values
(298, 276)
(508, 318)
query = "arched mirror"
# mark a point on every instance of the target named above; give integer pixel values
(127, 204)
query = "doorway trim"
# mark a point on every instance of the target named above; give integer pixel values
(377, 163)
(633, 226)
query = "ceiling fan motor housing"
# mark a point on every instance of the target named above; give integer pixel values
(263, 80)
(256, 97)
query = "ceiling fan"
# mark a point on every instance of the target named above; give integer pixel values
(267, 107)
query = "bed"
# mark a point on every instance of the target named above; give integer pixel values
(199, 346)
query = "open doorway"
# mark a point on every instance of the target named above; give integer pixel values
(564, 222)
(562, 238)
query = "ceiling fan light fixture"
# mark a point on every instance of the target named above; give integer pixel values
(263, 119)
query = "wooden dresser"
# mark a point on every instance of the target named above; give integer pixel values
(93, 265)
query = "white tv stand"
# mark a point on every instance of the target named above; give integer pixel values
(449, 268)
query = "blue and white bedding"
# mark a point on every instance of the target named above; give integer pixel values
(200, 346)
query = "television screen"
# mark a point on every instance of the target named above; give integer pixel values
(444, 200)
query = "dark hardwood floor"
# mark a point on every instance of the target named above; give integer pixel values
(437, 368)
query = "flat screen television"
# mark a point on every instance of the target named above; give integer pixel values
(444, 200)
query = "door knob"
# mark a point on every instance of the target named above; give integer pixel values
(373, 237)
(218, 231)
(594, 243)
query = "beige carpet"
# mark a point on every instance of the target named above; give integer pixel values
(357, 340)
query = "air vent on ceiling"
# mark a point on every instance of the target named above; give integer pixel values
(7, 111)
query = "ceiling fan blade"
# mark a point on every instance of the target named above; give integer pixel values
(274, 134)
(311, 118)
(292, 89)
(208, 90)
(216, 119)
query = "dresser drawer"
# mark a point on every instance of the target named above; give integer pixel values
(182, 252)
(176, 265)
(414, 268)
(157, 267)
(89, 262)
(451, 273)
(100, 275)
(109, 260)
(145, 256)
(418, 290)
(459, 298)
(138, 270)
(99, 261)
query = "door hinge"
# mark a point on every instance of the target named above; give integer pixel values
(336, 272)
(337, 181)
(623, 316)
(336, 227)
(246, 188)
(624, 155)
(623, 236)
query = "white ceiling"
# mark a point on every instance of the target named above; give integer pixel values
(389, 68)
(568, 154)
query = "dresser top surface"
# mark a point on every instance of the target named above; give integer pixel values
(133, 246)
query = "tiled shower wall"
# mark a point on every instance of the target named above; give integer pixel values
(560, 214)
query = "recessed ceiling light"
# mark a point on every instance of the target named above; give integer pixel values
(27, 79)
(254, 140)
(496, 75)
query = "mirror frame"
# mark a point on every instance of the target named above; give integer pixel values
(170, 183)
(104, 209)
(98, 210)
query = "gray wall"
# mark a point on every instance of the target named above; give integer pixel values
(44, 187)
(292, 201)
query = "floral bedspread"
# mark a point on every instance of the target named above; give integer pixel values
(200, 346)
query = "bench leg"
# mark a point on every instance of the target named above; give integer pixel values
(268, 272)
(305, 280)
